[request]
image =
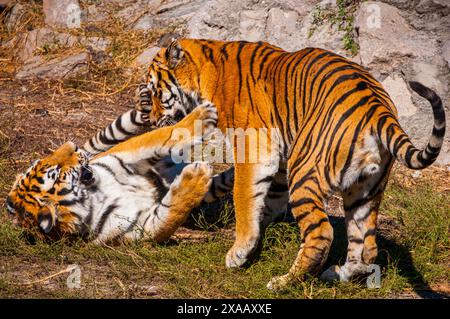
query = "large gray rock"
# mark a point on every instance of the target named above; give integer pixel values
(13, 18)
(62, 13)
(58, 68)
(7, 2)
(302, 7)
(386, 38)
(218, 20)
(169, 14)
(131, 14)
(427, 6)
(400, 95)
(283, 28)
(446, 49)
(252, 24)
(286, 24)
(146, 57)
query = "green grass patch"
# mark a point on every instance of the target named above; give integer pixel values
(341, 16)
(413, 256)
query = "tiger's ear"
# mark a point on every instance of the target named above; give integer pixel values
(46, 219)
(174, 54)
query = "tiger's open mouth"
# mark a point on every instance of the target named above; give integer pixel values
(86, 175)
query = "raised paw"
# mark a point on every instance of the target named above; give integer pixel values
(144, 103)
(192, 184)
(201, 122)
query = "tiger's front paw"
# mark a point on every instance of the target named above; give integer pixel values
(207, 113)
(192, 184)
(240, 253)
(144, 103)
(203, 116)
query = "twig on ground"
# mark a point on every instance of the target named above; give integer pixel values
(67, 270)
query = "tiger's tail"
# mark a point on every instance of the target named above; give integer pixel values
(398, 143)
(127, 125)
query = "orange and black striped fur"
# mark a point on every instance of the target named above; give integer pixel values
(128, 191)
(338, 132)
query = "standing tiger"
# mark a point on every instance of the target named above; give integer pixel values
(129, 190)
(338, 132)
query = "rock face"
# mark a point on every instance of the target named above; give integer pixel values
(146, 57)
(14, 16)
(394, 51)
(385, 37)
(58, 68)
(446, 50)
(168, 13)
(252, 24)
(399, 40)
(62, 13)
(400, 95)
(7, 2)
(286, 24)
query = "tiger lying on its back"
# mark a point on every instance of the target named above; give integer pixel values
(337, 132)
(128, 192)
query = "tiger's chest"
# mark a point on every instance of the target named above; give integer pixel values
(119, 201)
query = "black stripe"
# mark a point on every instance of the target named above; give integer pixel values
(94, 147)
(301, 202)
(68, 202)
(110, 171)
(252, 61)
(120, 127)
(239, 64)
(123, 165)
(314, 226)
(439, 132)
(103, 219)
(263, 62)
(158, 183)
(64, 191)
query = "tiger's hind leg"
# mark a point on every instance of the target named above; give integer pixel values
(361, 204)
(307, 193)
(186, 192)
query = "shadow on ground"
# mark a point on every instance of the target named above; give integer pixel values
(389, 251)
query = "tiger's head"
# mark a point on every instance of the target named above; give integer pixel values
(173, 79)
(39, 196)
